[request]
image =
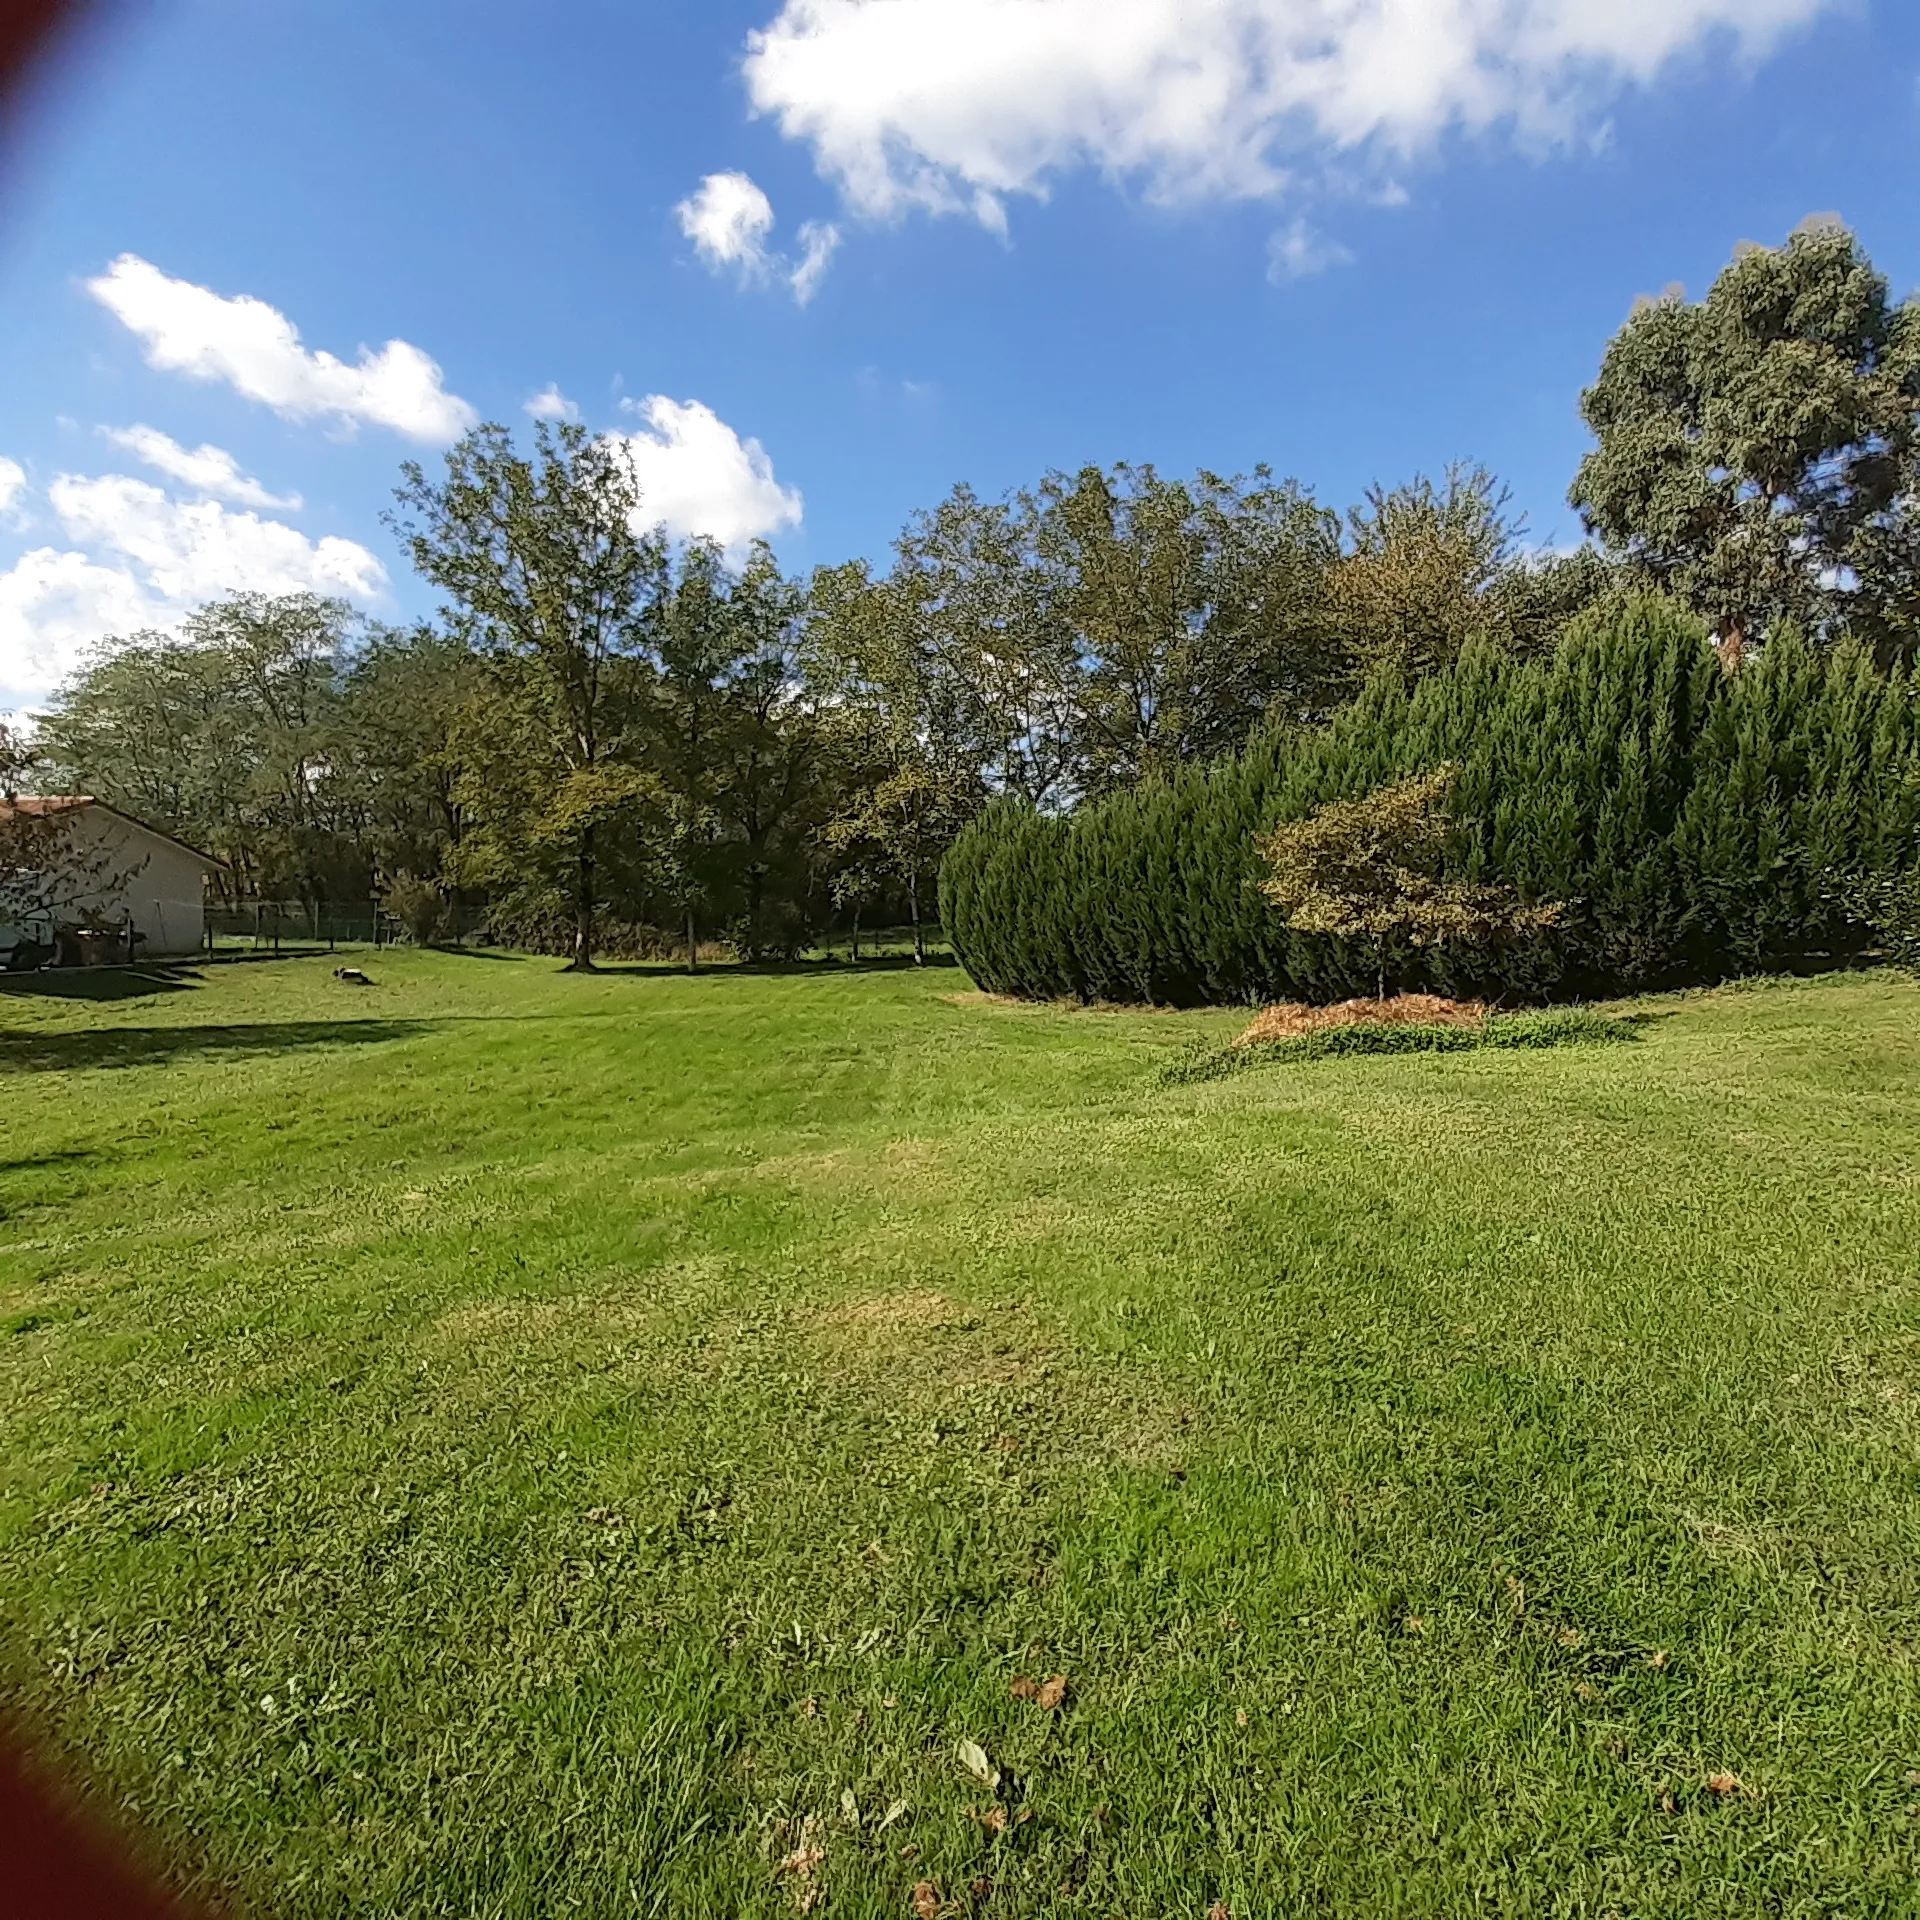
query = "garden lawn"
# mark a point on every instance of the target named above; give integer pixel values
(505, 1443)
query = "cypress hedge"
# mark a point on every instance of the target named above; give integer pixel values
(1696, 825)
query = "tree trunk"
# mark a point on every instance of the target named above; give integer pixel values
(582, 961)
(856, 936)
(913, 904)
(1732, 647)
(693, 942)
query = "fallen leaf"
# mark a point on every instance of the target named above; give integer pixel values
(982, 1890)
(926, 1900)
(909, 1852)
(1724, 1783)
(803, 1861)
(994, 1819)
(849, 1807)
(1050, 1697)
(1219, 1911)
(973, 1757)
(1657, 1661)
(1025, 1689)
(810, 1707)
(896, 1811)
(1240, 1717)
(1585, 1692)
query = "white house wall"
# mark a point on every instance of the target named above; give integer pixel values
(145, 877)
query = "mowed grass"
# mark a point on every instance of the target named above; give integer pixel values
(502, 1443)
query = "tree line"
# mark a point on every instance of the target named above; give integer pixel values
(607, 738)
(1621, 815)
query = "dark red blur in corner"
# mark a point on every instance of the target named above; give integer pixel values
(54, 1863)
(29, 29)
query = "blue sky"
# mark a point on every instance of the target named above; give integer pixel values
(1353, 239)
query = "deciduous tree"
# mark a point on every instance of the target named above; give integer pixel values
(1374, 870)
(551, 576)
(1756, 450)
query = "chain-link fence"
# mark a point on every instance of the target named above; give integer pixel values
(283, 926)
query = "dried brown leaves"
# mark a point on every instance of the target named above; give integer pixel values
(1048, 1695)
(803, 1863)
(1292, 1018)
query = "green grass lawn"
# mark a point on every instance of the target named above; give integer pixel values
(504, 1443)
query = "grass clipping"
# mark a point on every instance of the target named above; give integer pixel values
(1407, 1023)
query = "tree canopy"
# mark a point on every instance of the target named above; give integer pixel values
(1757, 449)
(606, 734)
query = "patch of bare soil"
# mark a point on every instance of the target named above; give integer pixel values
(1292, 1018)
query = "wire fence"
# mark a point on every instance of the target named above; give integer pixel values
(280, 926)
(297, 926)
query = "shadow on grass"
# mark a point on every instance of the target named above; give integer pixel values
(475, 953)
(101, 983)
(143, 1046)
(774, 969)
(40, 1162)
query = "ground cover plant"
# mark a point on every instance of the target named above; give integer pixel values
(1409, 1023)
(503, 1443)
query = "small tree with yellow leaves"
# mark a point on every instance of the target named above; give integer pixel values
(1372, 870)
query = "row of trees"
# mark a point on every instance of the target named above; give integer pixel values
(1624, 814)
(603, 731)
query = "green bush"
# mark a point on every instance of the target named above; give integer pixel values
(1552, 1027)
(1690, 820)
(420, 907)
(1889, 905)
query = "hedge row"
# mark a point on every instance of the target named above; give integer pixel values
(1694, 823)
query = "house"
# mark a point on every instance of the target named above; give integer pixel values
(96, 884)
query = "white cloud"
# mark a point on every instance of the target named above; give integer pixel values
(256, 349)
(729, 220)
(54, 608)
(950, 105)
(698, 477)
(207, 469)
(192, 550)
(551, 404)
(13, 483)
(141, 559)
(1300, 251)
(818, 241)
